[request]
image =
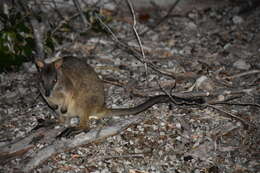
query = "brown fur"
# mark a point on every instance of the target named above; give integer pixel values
(79, 92)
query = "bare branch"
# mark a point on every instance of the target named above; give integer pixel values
(244, 74)
(83, 18)
(122, 45)
(42, 136)
(136, 34)
(163, 18)
(38, 31)
(244, 122)
(79, 140)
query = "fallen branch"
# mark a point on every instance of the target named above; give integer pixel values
(19, 147)
(243, 74)
(42, 136)
(82, 139)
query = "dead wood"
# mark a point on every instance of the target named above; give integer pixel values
(33, 156)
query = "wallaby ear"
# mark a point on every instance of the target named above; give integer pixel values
(58, 63)
(40, 63)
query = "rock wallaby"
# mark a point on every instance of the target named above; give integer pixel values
(72, 88)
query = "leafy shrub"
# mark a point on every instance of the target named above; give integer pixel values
(16, 41)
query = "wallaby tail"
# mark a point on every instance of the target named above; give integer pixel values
(139, 108)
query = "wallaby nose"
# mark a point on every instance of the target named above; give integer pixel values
(47, 93)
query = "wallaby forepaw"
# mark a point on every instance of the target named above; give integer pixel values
(54, 107)
(63, 110)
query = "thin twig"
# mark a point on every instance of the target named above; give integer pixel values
(244, 74)
(136, 34)
(133, 51)
(83, 18)
(180, 100)
(115, 157)
(244, 122)
(64, 21)
(114, 37)
(162, 19)
(56, 9)
(237, 104)
(113, 82)
(167, 93)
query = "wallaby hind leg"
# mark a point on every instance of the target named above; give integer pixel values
(84, 123)
(72, 131)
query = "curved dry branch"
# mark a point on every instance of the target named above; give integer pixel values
(31, 155)
(82, 139)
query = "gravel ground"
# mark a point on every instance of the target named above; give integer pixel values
(214, 43)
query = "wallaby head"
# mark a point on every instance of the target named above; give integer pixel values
(49, 74)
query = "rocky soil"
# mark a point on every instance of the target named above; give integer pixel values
(216, 44)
